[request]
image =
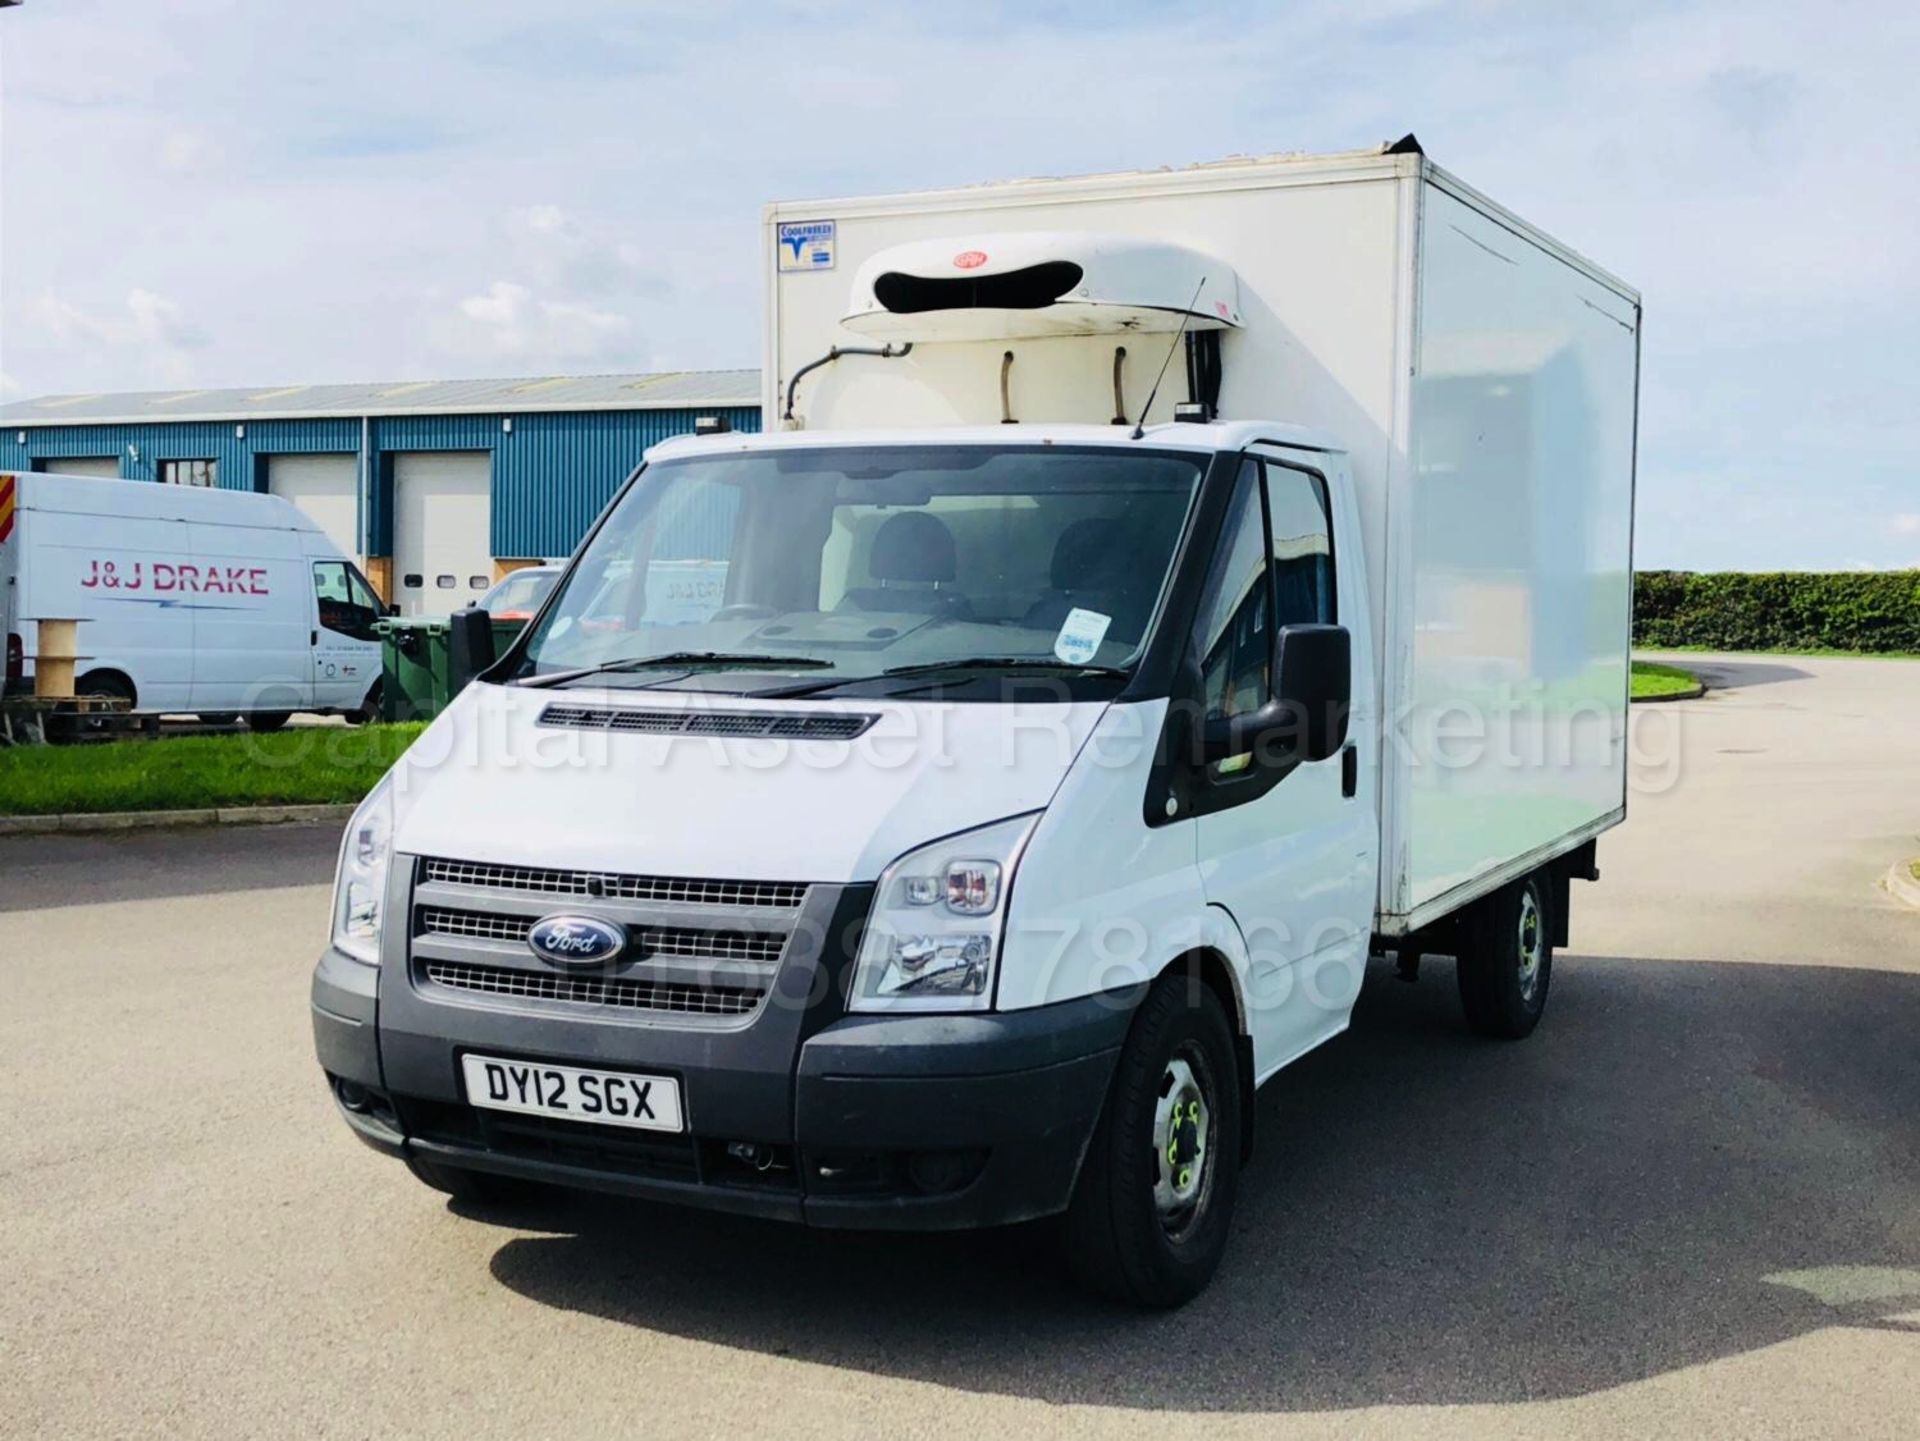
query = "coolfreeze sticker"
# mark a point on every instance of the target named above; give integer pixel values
(806, 245)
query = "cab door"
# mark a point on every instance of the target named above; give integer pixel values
(346, 652)
(1289, 848)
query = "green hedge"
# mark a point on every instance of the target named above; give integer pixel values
(1872, 612)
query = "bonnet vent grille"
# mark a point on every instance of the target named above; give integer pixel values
(783, 725)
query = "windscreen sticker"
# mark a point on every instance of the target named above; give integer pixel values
(1080, 635)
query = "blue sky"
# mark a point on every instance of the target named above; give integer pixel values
(225, 193)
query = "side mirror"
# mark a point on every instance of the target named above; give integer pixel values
(1313, 678)
(469, 645)
(1306, 717)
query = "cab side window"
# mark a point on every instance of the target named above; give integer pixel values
(362, 593)
(344, 607)
(1232, 635)
(1302, 541)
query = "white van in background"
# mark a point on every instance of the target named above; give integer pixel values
(215, 603)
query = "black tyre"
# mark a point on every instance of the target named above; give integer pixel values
(105, 685)
(1505, 965)
(476, 1186)
(369, 711)
(265, 722)
(219, 717)
(1151, 1213)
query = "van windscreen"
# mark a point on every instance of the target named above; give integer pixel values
(867, 559)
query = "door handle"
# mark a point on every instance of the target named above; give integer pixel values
(313, 637)
(1350, 772)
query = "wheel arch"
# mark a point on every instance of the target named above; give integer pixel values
(1208, 965)
(110, 672)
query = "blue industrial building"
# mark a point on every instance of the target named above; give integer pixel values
(435, 485)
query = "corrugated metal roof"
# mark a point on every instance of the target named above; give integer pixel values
(668, 390)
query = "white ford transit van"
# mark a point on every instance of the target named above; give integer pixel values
(217, 603)
(1162, 593)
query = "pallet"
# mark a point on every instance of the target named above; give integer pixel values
(33, 720)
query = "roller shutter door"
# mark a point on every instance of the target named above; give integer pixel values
(103, 467)
(442, 549)
(325, 489)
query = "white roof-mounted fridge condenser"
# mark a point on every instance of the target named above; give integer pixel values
(1037, 284)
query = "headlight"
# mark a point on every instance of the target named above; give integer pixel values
(360, 883)
(934, 936)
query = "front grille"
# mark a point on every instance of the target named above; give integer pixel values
(544, 1138)
(592, 991)
(783, 725)
(478, 924)
(760, 946)
(785, 895)
(764, 946)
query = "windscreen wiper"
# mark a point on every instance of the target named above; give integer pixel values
(689, 659)
(1003, 662)
(941, 667)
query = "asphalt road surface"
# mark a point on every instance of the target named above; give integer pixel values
(1689, 1205)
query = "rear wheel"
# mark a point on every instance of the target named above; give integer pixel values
(102, 685)
(1505, 965)
(1151, 1212)
(266, 721)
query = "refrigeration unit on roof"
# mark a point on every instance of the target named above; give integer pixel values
(1029, 285)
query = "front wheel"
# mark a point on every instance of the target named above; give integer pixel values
(1505, 964)
(1154, 1202)
(265, 722)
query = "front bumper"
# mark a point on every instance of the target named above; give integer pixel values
(806, 1114)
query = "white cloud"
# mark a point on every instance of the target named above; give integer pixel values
(569, 300)
(1908, 524)
(509, 322)
(562, 252)
(146, 318)
(151, 331)
(184, 149)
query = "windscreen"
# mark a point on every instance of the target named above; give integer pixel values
(862, 560)
(518, 594)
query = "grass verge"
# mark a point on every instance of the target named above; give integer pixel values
(1816, 652)
(1652, 679)
(308, 765)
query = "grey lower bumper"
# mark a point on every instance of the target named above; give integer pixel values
(897, 1122)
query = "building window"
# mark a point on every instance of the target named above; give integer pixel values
(190, 472)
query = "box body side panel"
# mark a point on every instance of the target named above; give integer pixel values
(1509, 721)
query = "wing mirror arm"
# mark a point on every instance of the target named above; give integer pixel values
(1266, 730)
(1306, 717)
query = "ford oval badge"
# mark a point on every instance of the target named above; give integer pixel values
(576, 941)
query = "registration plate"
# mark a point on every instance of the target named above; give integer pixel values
(573, 1093)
